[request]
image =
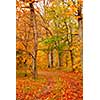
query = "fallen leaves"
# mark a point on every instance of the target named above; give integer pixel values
(57, 85)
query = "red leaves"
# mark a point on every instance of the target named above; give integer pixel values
(58, 85)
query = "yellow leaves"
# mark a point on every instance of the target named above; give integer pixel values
(29, 61)
(69, 13)
(74, 8)
(19, 45)
(70, 2)
(80, 1)
(56, 26)
(29, 1)
(71, 10)
(75, 32)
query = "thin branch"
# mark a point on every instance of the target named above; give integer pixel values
(47, 29)
(27, 53)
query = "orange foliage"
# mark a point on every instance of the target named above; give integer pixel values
(56, 85)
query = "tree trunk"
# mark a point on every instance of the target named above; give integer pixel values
(70, 51)
(59, 59)
(80, 22)
(50, 59)
(81, 35)
(34, 69)
(71, 54)
(35, 42)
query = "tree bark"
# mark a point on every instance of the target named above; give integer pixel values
(80, 22)
(50, 59)
(81, 35)
(35, 41)
(59, 59)
(70, 51)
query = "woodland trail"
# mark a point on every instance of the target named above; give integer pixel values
(53, 85)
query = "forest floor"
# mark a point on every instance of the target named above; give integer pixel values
(50, 85)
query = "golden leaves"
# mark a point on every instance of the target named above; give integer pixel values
(59, 18)
(69, 13)
(74, 8)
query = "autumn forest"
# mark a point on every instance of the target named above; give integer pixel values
(49, 50)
